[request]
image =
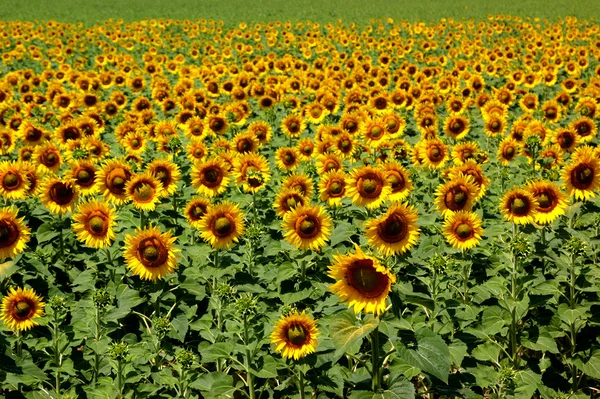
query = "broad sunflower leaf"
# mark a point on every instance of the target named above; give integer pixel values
(431, 355)
(347, 331)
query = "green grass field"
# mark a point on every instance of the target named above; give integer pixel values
(234, 11)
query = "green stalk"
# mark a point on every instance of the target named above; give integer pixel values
(120, 377)
(513, 294)
(96, 354)
(301, 384)
(573, 332)
(376, 382)
(56, 356)
(61, 241)
(182, 385)
(250, 378)
(19, 343)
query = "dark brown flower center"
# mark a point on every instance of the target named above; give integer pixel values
(98, 224)
(456, 198)
(61, 194)
(223, 226)
(335, 188)
(9, 233)
(375, 132)
(143, 192)
(370, 186)
(464, 231)
(519, 206)
(22, 309)
(11, 181)
(393, 229)
(582, 176)
(364, 278)
(297, 334)
(212, 176)
(152, 252)
(307, 226)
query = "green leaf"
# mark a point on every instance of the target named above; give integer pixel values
(45, 232)
(220, 350)
(84, 281)
(180, 325)
(592, 366)
(458, 351)
(487, 352)
(342, 232)
(215, 385)
(431, 356)
(347, 332)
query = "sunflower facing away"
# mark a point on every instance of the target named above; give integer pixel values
(361, 281)
(463, 230)
(222, 225)
(307, 227)
(93, 224)
(150, 253)
(13, 233)
(295, 335)
(519, 206)
(20, 307)
(395, 232)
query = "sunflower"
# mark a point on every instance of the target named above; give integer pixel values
(344, 145)
(195, 209)
(14, 234)
(111, 180)
(519, 206)
(196, 151)
(464, 151)
(210, 178)
(134, 142)
(167, 172)
(361, 281)
(222, 225)
(457, 127)
(261, 131)
(399, 180)
(585, 128)
(149, 253)
(252, 172)
(143, 190)
(566, 138)
(83, 175)
(582, 175)
(306, 148)
(14, 184)
(552, 203)
(300, 182)
(244, 143)
(473, 169)
(287, 200)
(328, 162)
(395, 232)
(463, 230)
(48, 158)
(374, 132)
(94, 224)
(287, 158)
(507, 151)
(458, 194)
(59, 196)
(495, 125)
(193, 129)
(20, 307)
(332, 187)
(295, 335)
(307, 227)
(293, 125)
(368, 186)
(433, 153)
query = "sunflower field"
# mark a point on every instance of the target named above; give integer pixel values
(291, 210)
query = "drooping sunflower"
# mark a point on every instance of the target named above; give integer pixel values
(14, 234)
(252, 172)
(582, 175)
(149, 253)
(307, 227)
(519, 206)
(210, 178)
(195, 209)
(458, 194)
(332, 187)
(400, 182)
(58, 195)
(552, 203)
(395, 232)
(295, 335)
(222, 225)
(14, 184)
(361, 281)
(368, 186)
(20, 307)
(167, 172)
(111, 180)
(143, 190)
(94, 223)
(463, 230)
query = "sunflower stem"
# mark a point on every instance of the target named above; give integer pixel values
(61, 242)
(120, 377)
(19, 343)
(376, 382)
(513, 294)
(301, 383)
(572, 330)
(56, 354)
(97, 339)
(250, 378)
(142, 219)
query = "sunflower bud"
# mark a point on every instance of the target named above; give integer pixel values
(119, 350)
(102, 298)
(246, 305)
(576, 246)
(520, 246)
(185, 358)
(161, 325)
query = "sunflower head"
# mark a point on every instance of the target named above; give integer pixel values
(20, 307)
(307, 227)
(94, 223)
(149, 253)
(395, 232)
(368, 186)
(295, 335)
(552, 203)
(519, 206)
(361, 281)
(463, 230)
(222, 225)
(195, 210)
